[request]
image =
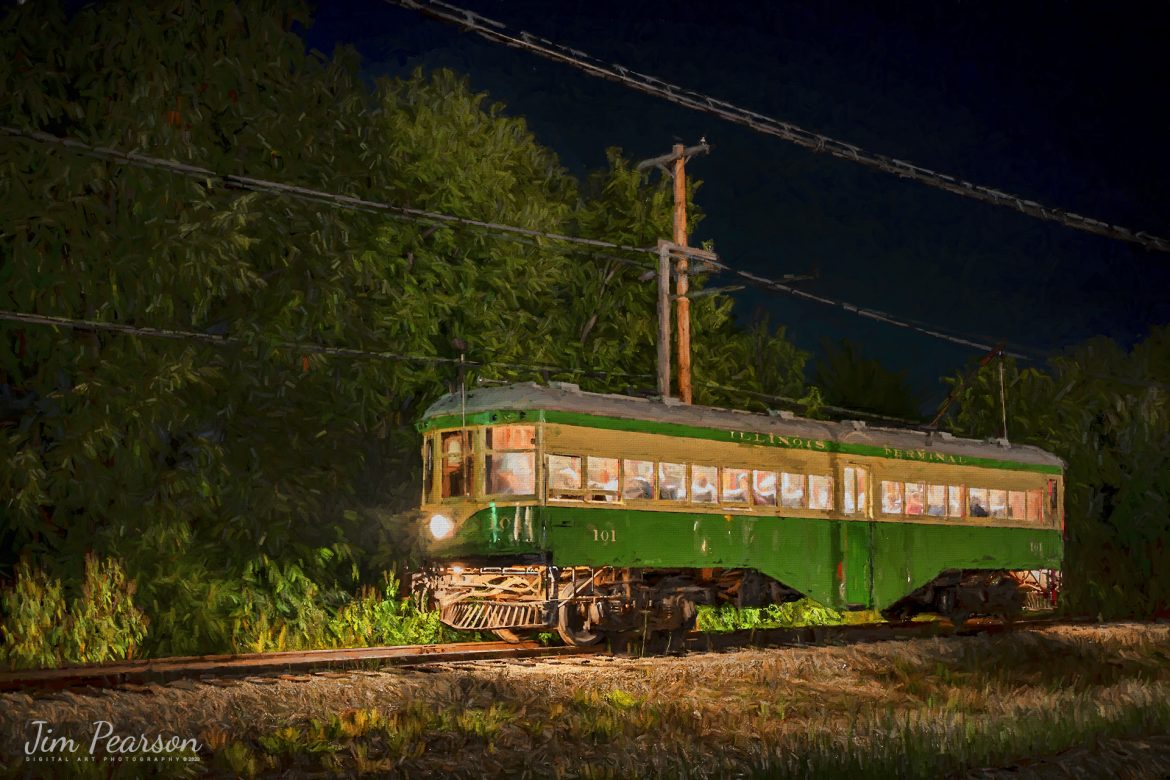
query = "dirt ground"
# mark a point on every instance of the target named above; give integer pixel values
(1079, 701)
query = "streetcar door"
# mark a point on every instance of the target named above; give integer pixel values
(855, 569)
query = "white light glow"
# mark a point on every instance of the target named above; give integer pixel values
(441, 526)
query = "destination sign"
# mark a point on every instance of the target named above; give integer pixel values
(818, 445)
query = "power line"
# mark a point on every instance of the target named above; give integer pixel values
(233, 181)
(432, 217)
(873, 314)
(816, 142)
(176, 334)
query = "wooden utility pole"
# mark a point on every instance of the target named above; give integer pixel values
(678, 156)
(664, 319)
(683, 304)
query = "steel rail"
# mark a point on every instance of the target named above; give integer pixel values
(216, 667)
(153, 670)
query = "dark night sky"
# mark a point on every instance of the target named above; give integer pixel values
(1047, 101)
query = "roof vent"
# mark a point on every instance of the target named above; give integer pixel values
(787, 415)
(671, 401)
(858, 425)
(1003, 443)
(945, 435)
(568, 387)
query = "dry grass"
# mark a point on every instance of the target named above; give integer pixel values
(928, 708)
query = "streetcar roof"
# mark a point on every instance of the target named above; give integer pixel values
(565, 397)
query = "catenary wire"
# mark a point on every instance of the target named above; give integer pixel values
(294, 346)
(402, 212)
(497, 32)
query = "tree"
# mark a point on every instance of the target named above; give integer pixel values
(242, 486)
(1106, 412)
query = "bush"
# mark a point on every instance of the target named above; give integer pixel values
(805, 612)
(101, 623)
(383, 618)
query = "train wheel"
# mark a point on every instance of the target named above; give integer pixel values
(571, 624)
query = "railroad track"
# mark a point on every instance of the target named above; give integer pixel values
(248, 664)
(215, 668)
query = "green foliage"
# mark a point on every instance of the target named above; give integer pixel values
(248, 489)
(100, 624)
(386, 618)
(1106, 412)
(792, 614)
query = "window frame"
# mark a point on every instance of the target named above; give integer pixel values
(484, 452)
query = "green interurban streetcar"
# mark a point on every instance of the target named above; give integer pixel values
(548, 507)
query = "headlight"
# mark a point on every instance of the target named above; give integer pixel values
(441, 526)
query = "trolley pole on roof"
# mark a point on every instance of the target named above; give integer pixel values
(678, 156)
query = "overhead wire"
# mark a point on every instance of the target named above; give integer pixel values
(497, 32)
(177, 334)
(432, 217)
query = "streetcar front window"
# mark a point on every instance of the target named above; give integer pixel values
(455, 451)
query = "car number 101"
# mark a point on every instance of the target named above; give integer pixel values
(605, 536)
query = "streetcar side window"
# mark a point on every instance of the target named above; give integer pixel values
(891, 497)
(510, 460)
(914, 498)
(954, 500)
(564, 478)
(455, 449)
(764, 488)
(1051, 505)
(1034, 505)
(936, 500)
(1016, 505)
(638, 476)
(977, 502)
(704, 483)
(603, 478)
(820, 492)
(672, 481)
(736, 486)
(999, 503)
(792, 490)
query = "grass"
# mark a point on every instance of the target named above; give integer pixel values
(924, 708)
